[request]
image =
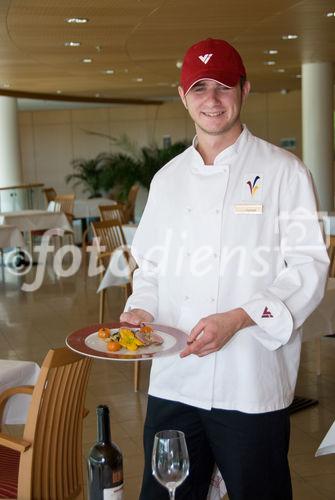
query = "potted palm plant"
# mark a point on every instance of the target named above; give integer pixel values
(88, 173)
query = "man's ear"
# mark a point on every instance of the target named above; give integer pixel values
(245, 90)
(182, 96)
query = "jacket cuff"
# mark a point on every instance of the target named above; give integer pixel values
(273, 318)
(133, 303)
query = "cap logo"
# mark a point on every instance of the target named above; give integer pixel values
(205, 58)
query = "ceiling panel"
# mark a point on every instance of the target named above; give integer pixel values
(141, 41)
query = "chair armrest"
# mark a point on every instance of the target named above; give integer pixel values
(14, 443)
(8, 393)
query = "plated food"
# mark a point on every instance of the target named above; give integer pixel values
(129, 339)
(156, 341)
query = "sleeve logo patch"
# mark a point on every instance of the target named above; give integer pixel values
(267, 313)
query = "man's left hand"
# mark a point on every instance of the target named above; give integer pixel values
(210, 334)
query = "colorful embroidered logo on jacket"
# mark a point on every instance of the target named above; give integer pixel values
(254, 186)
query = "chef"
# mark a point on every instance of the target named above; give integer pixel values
(230, 251)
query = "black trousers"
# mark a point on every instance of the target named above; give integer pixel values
(250, 451)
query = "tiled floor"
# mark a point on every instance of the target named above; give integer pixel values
(31, 323)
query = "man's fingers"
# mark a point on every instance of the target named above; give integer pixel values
(195, 332)
(195, 347)
(131, 318)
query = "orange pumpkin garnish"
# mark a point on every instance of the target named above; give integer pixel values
(104, 333)
(113, 346)
(146, 329)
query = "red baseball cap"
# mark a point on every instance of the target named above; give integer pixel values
(213, 59)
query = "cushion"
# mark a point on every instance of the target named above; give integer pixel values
(9, 472)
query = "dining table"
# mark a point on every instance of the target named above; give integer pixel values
(15, 373)
(85, 209)
(35, 220)
(10, 237)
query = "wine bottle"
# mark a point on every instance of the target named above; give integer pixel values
(105, 472)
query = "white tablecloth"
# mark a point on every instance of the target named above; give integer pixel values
(35, 220)
(89, 208)
(14, 373)
(10, 236)
(117, 272)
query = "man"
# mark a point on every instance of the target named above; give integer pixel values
(229, 250)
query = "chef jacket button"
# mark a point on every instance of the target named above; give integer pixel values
(189, 209)
(217, 211)
(212, 299)
(215, 255)
(188, 254)
(186, 297)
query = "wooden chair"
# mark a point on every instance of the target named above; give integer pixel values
(50, 194)
(331, 251)
(47, 463)
(66, 203)
(110, 235)
(107, 212)
(113, 212)
(129, 211)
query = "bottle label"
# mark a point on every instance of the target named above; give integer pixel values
(114, 493)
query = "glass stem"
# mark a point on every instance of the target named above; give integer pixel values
(172, 494)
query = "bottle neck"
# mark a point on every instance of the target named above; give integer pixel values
(104, 432)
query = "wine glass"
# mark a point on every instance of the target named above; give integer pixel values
(170, 462)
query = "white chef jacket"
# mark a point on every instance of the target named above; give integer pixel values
(242, 232)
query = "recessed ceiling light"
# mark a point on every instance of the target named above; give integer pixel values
(6, 85)
(139, 79)
(179, 64)
(269, 63)
(330, 14)
(109, 72)
(290, 37)
(298, 76)
(76, 20)
(72, 44)
(271, 51)
(87, 60)
(58, 91)
(284, 91)
(97, 94)
(279, 70)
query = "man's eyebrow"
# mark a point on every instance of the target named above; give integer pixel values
(199, 84)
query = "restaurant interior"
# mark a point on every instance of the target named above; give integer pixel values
(89, 112)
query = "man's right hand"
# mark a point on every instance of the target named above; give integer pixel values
(136, 317)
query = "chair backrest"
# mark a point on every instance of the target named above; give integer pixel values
(52, 467)
(50, 194)
(130, 207)
(331, 251)
(112, 212)
(110, 234)
(66, 202)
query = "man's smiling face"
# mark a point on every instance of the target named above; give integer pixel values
(214, 108)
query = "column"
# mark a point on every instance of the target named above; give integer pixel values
(10, 156)
(317, 128)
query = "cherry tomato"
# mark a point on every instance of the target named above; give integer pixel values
(113, 346)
